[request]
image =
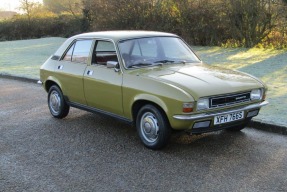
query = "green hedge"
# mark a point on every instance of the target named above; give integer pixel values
(21, 28)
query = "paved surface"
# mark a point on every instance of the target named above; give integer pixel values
(88, 152)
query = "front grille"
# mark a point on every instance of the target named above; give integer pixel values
(229, 99)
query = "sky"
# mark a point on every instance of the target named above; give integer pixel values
(12, 5)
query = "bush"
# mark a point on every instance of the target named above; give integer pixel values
(226, 23)
(203, 22)
(21, 28)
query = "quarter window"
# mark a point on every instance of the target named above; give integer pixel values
(68, 56)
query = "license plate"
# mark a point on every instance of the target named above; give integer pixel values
(220, 119)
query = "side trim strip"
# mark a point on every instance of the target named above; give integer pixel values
(207, 115)
(99, 111)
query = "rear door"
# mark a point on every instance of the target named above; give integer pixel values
(71, 68)
(103, 86)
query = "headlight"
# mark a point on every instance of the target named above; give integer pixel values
(202, 104)
(256, 94)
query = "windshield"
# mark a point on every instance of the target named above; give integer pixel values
(155, 51)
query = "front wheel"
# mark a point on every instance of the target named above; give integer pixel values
(153, 127)
(57, 105)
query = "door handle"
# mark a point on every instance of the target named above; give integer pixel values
(90, 72)
(60, 67)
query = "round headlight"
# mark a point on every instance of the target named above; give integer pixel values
(202, 104)
(256, 94)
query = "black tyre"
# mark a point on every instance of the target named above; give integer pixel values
(57, 105)
(153, 127)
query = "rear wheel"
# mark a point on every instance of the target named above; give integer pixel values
(153, 127)
(57, 105)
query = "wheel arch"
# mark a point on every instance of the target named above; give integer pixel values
(50, 82)
(139, 103)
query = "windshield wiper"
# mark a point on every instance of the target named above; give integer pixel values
(140, 64)
(146, 64)
(164, 61)
(181, 62)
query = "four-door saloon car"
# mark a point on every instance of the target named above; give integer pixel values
(151, 79)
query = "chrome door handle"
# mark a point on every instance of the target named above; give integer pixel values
(60, 67)
(90, 72)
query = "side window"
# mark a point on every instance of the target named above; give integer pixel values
(79, 51)
(104, 51)
(105, 46)
(82, 51)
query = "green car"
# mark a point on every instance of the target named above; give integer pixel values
(151, 79)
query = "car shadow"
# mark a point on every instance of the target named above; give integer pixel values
(116, 132)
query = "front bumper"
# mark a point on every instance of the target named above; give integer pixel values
(213, 114)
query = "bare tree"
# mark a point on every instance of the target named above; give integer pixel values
(251, 20)
(27, 7)
(201, 22)
(71, 6)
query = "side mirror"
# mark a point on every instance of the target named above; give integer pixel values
(113, 64)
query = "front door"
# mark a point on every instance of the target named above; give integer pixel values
(102, 85)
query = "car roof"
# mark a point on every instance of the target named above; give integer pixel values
(119, 35)
(112, 35)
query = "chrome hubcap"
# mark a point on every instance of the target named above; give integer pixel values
(55, 102)
(149, 127)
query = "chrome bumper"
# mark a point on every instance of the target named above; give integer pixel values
(208, 115)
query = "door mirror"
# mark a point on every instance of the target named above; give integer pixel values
(113, 64)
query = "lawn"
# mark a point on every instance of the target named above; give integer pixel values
(23, 58)
(266, 64)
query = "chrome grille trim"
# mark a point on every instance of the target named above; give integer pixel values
(230, 99)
